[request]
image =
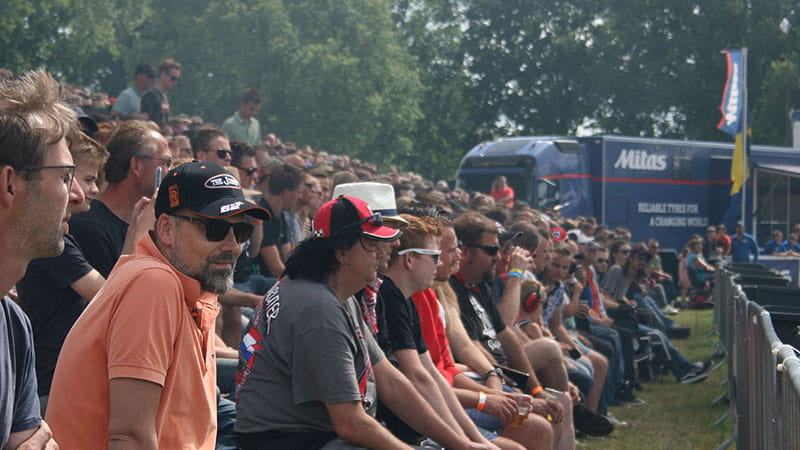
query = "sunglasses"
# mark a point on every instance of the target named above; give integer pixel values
(626, 252)
(249, 171)
(222, 153)
(174, 79)
(423, 251)
(490, 250)
(217, 230)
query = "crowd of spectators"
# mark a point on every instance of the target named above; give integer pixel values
(471, 306)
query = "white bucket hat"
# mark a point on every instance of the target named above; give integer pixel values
(379, 197)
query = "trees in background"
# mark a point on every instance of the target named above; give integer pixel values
(416, 83)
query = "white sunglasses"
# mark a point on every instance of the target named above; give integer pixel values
(423, 251)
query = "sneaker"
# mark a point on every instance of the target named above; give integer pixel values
(635, 401)
(701, 366)
(624, 395)
(590, 423)
(614, 421)
(694, 375)
(677, 332)
(670, 310)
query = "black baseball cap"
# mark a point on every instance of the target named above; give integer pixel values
(206, 189)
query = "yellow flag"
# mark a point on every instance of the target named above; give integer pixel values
(739, 160)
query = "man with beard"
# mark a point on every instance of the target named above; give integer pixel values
(141, 357)
(37, 173)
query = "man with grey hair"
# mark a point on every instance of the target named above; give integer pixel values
(37, 173)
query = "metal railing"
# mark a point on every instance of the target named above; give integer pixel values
(763, 371)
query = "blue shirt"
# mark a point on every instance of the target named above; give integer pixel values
(773, 247)
(19, 403)
(741, 249)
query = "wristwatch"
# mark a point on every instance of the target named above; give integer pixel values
(495, 371)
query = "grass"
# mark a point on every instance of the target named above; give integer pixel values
(675, 416)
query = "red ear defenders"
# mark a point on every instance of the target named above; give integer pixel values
(531, 301)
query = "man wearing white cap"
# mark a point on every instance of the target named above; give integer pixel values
(380, 198)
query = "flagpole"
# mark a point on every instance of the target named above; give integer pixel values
(745, 137)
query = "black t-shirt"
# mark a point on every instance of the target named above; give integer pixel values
(154, 103)
(480, 317)
(52, 305)
(101, 235)
(398, 327)
(274, 232)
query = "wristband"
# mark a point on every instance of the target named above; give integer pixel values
(515, 273)
(496, 372)
(536, 390)
(481, 401)
(574, 353)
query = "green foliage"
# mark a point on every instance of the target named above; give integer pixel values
(416, 83)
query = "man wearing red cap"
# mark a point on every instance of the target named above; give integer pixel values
(311, 372)
(138, 368)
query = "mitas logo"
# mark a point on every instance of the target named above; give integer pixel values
(640, 160)
(223, 180)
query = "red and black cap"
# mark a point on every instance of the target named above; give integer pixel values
(558, 234)
(349, 215)
(207, 189)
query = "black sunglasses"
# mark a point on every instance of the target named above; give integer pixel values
(249, 171)
(217, 230)
(174, 79)
(490, 250)
(222, 152)
(602, 260)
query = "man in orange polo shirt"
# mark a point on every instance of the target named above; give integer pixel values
(138, 369)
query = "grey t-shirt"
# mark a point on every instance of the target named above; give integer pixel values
(615, 283)
(309, 350)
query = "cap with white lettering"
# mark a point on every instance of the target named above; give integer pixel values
(206, 189)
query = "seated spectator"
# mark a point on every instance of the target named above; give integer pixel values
(700, 271)
(55, 291)
(37, 173)
(136, 361)
(777, 245)
(309, 357)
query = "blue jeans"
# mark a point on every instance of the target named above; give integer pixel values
(226, 420)
(648, 303)
(256, 284)
(226, 375)
(680, 365)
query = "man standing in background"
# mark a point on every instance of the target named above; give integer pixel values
(154, 102)
(243, 125)
(129, 101)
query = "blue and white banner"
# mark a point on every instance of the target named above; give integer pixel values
(733, 95)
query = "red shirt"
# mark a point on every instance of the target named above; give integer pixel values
(500, 194)
(434, 333)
